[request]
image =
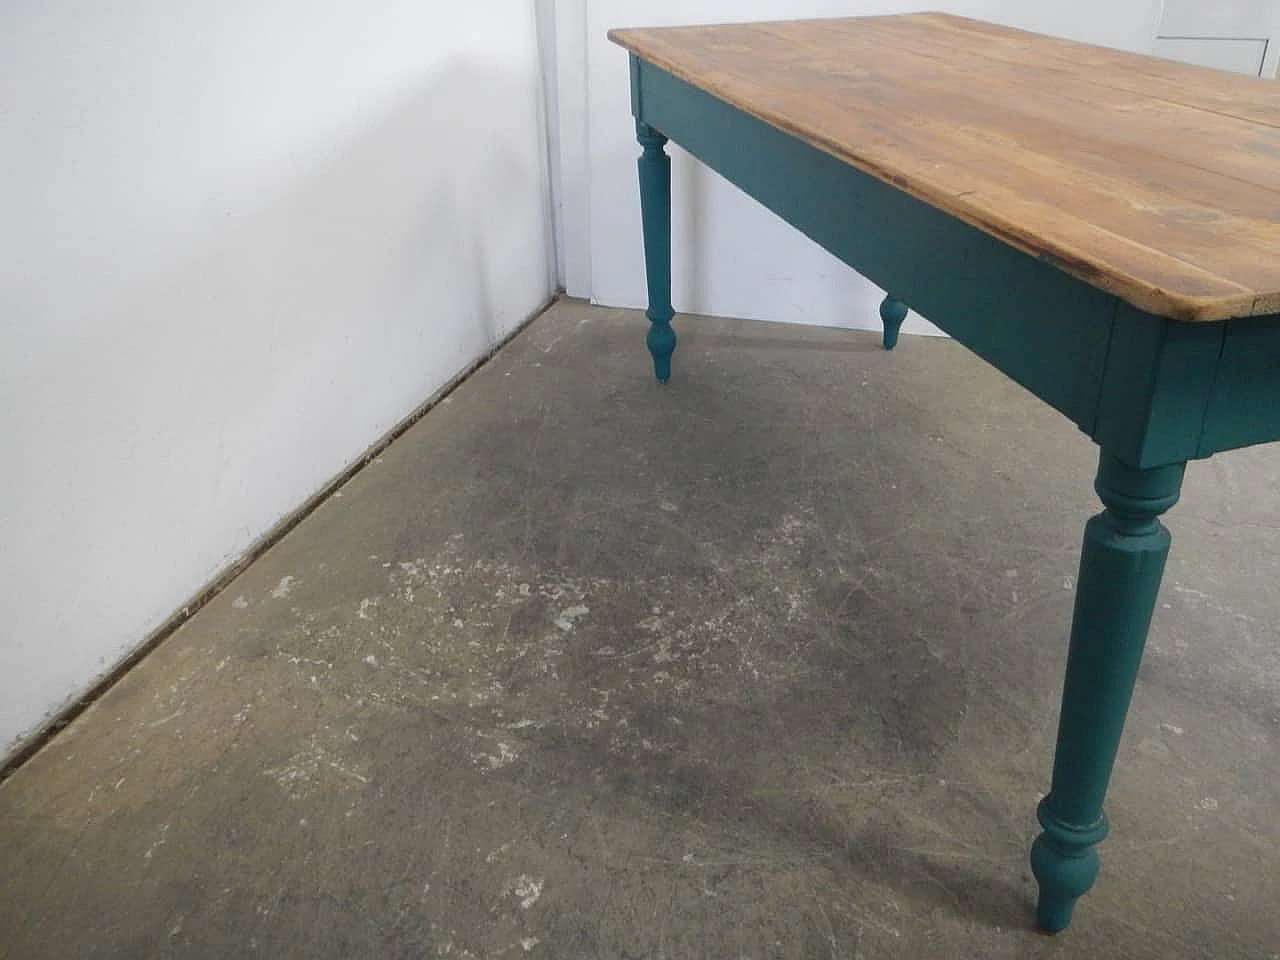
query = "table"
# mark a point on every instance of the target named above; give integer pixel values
(1102, 227)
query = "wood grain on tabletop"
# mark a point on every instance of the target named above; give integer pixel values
(1154, 180)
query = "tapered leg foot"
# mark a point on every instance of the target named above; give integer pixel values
(661, 341)
(892, 312)
(1121, 564)
(1065, 864)
(655, 210)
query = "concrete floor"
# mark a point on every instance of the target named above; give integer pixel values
(763, 663)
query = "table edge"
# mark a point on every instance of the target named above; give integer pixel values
(1141, 294)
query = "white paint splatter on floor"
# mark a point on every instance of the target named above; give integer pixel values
(164, 831)
(503, 756)
(569, 615)
(528, 889)
(284, 587)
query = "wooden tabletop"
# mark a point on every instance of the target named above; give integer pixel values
(1154, 180)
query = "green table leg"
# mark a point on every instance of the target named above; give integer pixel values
(892, 312)
(1121, 563)
(655, 211)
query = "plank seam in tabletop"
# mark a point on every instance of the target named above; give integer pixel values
(1072, 91)
(1084, 91)
(1183, 256)
(1149, 68)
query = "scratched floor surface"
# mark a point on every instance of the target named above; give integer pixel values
(763, 663)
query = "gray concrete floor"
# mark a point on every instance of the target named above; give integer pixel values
(763, 663)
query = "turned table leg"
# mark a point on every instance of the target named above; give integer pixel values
(655, 211)
(1121, 563)
(892, 312)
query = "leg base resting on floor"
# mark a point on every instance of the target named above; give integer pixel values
(1121, 564)
(892, 312)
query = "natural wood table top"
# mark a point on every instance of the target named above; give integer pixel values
(1156, 181)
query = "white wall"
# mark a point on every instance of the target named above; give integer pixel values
(241, 241)
(567, 92)
(1123, 24)
(731, 257)
(1237, 35)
